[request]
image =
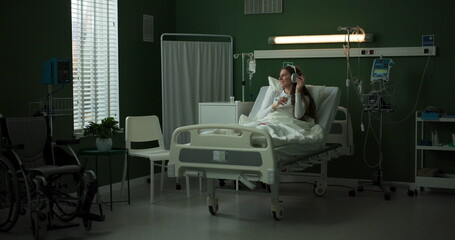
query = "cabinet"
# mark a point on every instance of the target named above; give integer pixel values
(223, 112)
(423, 129)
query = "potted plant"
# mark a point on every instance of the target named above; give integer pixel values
(103, 132)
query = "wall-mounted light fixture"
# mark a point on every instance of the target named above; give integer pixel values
(354, 34)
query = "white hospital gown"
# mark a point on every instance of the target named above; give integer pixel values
(283, 127)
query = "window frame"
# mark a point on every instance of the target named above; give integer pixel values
(95, 61)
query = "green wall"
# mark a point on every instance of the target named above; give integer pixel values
(32, 32)
(140, 64)
(393, 23)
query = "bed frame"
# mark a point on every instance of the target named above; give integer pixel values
(235, 157)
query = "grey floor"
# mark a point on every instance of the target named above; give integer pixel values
(246, 215)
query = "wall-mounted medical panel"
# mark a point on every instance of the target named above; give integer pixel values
(341, 52)
(58, 71)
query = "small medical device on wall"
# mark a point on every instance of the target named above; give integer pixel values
(58, 71)
(380, 70)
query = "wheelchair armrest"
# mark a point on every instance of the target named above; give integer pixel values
(14, 146)
(67, 142)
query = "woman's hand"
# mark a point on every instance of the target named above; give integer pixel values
(300, 84)
(281, 101)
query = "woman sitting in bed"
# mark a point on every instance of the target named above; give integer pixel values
(288, 115)
(294, 99)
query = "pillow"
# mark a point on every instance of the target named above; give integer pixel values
(315, 91)
(274, 84)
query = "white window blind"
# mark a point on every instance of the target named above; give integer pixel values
(95, 61)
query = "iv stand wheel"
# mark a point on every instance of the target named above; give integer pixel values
(277, 215)
(277, 211)
(412, 193)
(360, 189)
(213, 209)
(213, 205)
(393, 188)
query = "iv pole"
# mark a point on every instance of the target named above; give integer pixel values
(378, 180)
(347, 50)
(243, 70)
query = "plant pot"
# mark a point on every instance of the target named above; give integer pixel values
(103, 144)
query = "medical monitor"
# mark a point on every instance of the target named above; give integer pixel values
(58, 71)
(381, 69)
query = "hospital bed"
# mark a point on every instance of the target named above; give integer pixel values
(194, 152)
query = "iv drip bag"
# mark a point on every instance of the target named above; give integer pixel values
(251, 66)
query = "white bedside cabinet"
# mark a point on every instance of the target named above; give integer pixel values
(223, 112)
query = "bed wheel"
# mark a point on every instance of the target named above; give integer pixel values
(221, 182)
(351, 193)
(213, 205)
(178, 186)
(277, 211)
(319, 189)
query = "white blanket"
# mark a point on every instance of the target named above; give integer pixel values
(285, 129)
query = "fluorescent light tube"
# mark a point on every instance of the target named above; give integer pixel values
(334, 38)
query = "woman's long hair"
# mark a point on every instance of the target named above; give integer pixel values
(310, 110)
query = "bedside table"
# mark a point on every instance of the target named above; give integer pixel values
(223, 112)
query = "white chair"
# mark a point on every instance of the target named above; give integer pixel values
(141, 129)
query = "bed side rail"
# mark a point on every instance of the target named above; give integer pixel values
(341, 133)
(219, 135)
(216, 149)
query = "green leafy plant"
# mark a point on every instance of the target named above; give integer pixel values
(106, 129)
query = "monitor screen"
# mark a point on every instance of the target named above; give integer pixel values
(380, 72)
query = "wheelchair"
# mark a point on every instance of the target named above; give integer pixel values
(41, 178)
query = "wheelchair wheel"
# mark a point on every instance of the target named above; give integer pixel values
(9, 196)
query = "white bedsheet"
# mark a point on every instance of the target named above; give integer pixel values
(285, 129)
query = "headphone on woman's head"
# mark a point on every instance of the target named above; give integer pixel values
(295, 75)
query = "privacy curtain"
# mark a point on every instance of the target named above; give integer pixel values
(193, 72)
